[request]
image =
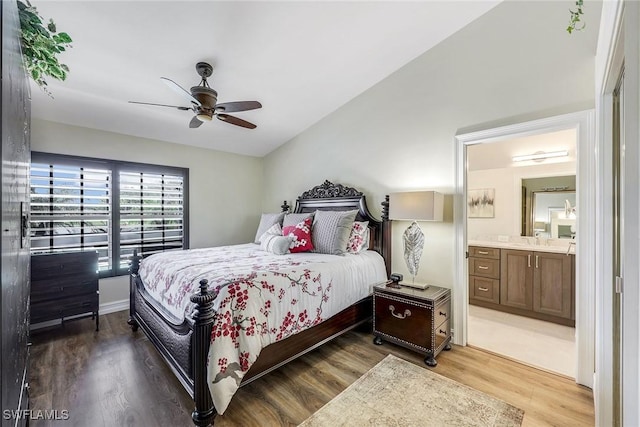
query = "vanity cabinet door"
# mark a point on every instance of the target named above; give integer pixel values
(553, 284)
(516, 279)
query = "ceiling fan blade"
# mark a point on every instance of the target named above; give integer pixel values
(180, 90)
(195, 123)
(162, 105)
(232, 107)
(235, 121)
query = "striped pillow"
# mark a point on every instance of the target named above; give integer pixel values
(331, 230)
(273, 241)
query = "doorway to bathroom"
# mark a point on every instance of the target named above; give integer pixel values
(533, 249)
(521, 249)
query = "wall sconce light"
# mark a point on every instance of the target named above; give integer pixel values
(540, 155)
(415, 206)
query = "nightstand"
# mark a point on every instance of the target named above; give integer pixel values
(414, 318)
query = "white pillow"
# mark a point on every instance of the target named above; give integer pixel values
(266, 221)
(273, 241)
(359, 237)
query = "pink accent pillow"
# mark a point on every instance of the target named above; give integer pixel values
(359, 237)
(301, 233)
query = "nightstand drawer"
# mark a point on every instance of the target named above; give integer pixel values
(442, 333)
(47, 310)
(485, 267)
(72, 264)
(478, 252)
(43, 290)
(441, 313)
(403, 320)
(484, 289)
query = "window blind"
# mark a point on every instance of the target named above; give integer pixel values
(71, 210)
(151, 213)
(109, 206)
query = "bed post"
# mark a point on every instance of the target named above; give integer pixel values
(133, 271)
(203, 315)
(386, 235)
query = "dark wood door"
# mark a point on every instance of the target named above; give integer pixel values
(553, 284)
(14, 299)
(516, 279)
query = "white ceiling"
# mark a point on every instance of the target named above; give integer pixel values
(497, 155)
(300, 59)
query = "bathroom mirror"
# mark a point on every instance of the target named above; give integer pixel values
(548, 207)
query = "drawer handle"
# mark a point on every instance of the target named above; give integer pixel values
(483, 267)
(442, 313)
(406, 314)
(483, 289)
(483, 252)
(442, 332)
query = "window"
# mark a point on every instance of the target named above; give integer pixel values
(113, 207)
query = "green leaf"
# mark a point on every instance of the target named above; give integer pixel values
(35, 74)
(51, 26)
(65, 37)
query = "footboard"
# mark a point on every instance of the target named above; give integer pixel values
(183, 345)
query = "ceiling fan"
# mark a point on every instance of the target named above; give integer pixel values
(204, 100)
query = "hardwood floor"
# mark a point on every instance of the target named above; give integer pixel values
(116, 378)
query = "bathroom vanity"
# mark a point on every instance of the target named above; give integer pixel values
(530, 280)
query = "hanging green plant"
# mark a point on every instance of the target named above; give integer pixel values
(41, 46)
(574, 20)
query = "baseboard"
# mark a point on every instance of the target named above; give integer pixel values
(112, 307)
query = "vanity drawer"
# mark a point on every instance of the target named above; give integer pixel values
(485, 267)
(479, 252)
(484, 289)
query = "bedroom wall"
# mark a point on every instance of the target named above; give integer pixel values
(513, 64)
(224, 205)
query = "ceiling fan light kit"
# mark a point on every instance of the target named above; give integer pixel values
(204, 101)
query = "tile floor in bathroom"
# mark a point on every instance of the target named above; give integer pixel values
(545, 345)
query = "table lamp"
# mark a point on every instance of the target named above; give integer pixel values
(415, 206)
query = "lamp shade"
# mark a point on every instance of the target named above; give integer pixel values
(416, 206)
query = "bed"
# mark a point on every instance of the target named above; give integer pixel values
(182, 324)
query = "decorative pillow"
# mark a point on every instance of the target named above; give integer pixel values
(266, 221)
(331, 231)
(301, 234)
(273, 241)
(359, 237)
(292, 219)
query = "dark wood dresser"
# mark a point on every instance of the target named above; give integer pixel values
(414, 318)
(64, 285)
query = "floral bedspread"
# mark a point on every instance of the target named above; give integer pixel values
(262, 298)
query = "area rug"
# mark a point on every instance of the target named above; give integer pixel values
(399, 393)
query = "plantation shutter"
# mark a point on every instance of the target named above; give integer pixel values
(71, 209)
(151, 213)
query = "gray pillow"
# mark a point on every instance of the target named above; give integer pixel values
(331, 230)
(266, 222)
(273, 241)
(292, 219)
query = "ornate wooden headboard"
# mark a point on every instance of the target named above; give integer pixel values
(337, 197)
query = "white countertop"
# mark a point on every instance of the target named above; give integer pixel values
(560, 247)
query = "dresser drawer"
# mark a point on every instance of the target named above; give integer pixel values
(42, 290)
(403, 320)
(478, 252)
(76, 264)
(47, 310)
(485, 267)
(484, 289)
